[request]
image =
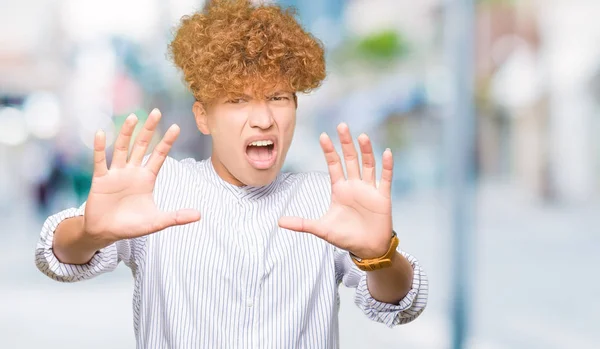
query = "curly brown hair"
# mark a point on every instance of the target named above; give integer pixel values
(232, 45)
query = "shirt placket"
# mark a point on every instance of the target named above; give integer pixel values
(253, 272)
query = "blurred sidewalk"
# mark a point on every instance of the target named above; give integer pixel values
(534, 284)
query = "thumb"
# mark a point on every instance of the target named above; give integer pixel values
(180, 217)
(301, 225)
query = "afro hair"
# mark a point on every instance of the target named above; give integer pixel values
(234, 45)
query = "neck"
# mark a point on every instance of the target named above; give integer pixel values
(222, 172)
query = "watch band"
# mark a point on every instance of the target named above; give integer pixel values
(382, 262)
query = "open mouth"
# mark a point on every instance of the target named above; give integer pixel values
(261, 154)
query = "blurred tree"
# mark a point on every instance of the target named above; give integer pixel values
(384, 45)
(378, 49)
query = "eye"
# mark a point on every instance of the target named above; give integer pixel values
(279, 98)
(236, 101)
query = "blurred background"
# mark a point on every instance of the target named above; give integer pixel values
(492, 110)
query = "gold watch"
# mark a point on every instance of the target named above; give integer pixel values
(382, 262)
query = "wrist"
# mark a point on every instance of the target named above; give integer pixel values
(374, 252)
(70, 244)
(92, 239)
(382, 262)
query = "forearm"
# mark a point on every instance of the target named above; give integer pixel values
(71, 245)
(391, 285)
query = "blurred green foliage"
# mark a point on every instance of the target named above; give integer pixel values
(378, 50)
(384, 45)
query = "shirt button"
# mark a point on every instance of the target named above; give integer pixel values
(249, 303)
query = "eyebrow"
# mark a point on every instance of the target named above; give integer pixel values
(280, 92)
(236, 96)
(248, 97)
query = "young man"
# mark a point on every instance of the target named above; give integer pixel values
(229, 252)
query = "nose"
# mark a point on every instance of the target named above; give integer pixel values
(261, 116)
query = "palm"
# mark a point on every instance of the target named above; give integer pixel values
(359, 217)
(357, 210)
(120, 203)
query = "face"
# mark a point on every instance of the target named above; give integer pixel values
(250, 135)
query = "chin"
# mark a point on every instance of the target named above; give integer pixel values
(261, 178)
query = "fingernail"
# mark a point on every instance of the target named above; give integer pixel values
(155, 110)
(388, 150)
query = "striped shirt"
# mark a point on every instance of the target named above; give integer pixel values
(235, 279)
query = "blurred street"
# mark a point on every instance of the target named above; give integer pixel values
(534, 276)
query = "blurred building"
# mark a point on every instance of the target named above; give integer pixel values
(537, 112)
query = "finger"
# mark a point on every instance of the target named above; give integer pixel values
(162, 149)
(100, 168)
(349, 151)
(301, 225)
(144, 137)
(121, 148)
(368, 160)
(336, 171)
(385, 184)
(180, 217)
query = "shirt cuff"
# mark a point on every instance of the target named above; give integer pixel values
(408, 309)
(104, 260)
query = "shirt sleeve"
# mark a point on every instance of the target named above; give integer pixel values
(408, 309)
(105, 260)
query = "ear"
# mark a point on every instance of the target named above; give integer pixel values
(201, 118)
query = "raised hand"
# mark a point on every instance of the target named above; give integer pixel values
(120, 204)
(359, 219)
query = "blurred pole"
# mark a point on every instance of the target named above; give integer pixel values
(459, 18)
